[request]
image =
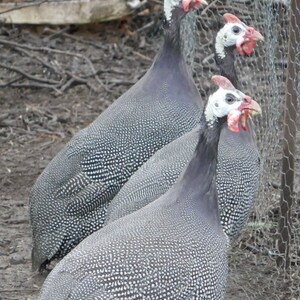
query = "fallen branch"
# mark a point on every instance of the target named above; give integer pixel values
(67, 78)
(35, 85)
(47, 49)
(10, 82)
(208, 7)
(28, 76)
(64, 33)
(43, 62)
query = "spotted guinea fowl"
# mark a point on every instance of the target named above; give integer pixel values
(238, 168)
(72, 193)
(173, 248)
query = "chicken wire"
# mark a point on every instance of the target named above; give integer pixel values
(256, 271)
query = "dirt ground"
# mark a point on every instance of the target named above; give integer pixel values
(35, 123)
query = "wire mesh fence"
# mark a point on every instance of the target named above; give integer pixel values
(58, 60)
(264, 262)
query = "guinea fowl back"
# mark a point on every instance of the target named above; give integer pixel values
(154, 177)
(69, 199)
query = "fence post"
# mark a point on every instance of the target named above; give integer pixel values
(289, 137)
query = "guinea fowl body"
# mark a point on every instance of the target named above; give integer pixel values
(155, 177)
(174, 248)
(238, 170)
(236, 189)
(69, 199)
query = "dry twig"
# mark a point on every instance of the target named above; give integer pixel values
(67, 78)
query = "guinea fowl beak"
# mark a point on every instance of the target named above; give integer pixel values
(192, 3)
(253, 108)
(248, 107)
(253, 34)
(203, 2)
(258, 36)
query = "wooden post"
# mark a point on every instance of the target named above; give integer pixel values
(63, 12)
(289, 139)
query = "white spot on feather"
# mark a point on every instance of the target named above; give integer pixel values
(134, 4)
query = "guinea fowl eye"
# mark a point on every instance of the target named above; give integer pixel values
(236, 29)
(230, 99)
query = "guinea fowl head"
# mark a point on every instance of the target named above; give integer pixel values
(169, 5)
(236, 35)
(228, 102)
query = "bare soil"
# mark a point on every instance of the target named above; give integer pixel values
(35, 123)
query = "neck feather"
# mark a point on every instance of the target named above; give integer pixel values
(200, 175)
(210, 118)
(225, 59)
(170, 52)
(172, 27)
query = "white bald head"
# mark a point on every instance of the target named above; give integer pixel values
(230, 102)
(222, 102)
(230, 34)
(238, 34)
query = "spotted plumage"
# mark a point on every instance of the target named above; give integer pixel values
(70, 197)
(238, 168)
(173, 248)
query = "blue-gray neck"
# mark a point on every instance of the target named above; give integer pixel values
(226, 64)
(171, 49)
(200, 174)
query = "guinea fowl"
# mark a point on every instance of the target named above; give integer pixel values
(69, 199)
(173, 248)
(239, 164)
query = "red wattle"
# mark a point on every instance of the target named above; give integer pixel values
(233, 120)
(248, 46)
(186, 4)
